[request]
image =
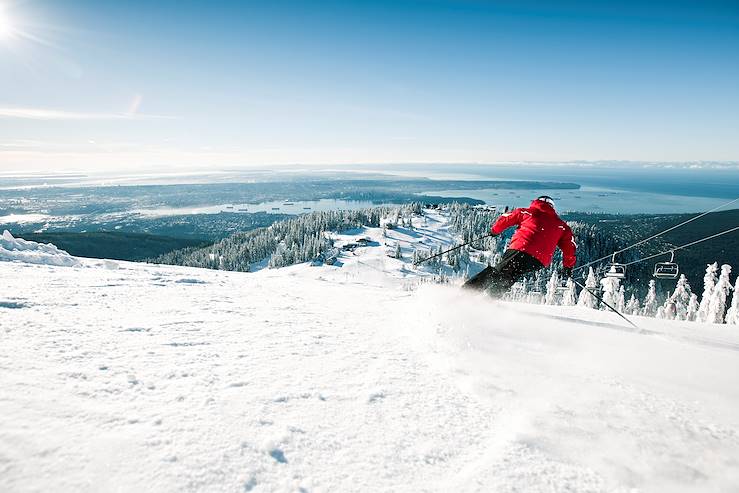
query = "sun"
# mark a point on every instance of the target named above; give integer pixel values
(6, 24)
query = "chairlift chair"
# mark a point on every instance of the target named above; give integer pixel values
(615, 270)
(562, 285)
(666, 270)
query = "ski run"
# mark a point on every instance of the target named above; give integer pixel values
(355, 376)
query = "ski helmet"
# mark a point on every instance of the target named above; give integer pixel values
(546, 198)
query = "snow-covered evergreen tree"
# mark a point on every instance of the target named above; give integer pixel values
(693, 306)
(570, 295)
(632, 307)
(586, 299)
(709, 281)
(650, 302)
(540, 283)
(610, 287)
(668, 310)
(681, 298)
(732, 316)
(552, 285)
(283, 243)
(717, 307)
(621, 299)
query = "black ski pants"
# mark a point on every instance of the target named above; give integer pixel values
(498, 279)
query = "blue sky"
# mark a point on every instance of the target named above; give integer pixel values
(111, 85)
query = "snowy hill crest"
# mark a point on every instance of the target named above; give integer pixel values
(19, 250)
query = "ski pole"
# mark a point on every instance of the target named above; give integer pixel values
(455, 248)
(609, 306)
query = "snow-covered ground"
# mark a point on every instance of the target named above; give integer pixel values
(117, 376)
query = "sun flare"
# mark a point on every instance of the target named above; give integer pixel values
(6, 24)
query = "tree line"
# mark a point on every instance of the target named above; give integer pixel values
(307, 237)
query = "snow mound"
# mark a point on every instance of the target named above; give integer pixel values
(19, 250)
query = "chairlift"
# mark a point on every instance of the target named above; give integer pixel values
(667, 270)
(562, 286)
(615, 270)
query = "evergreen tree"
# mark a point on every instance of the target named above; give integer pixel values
(610, 287)
(552, 285)
(632, 307)
(650, 302)
(284, 243)
(621, 299)
(709, 281)
(693, 306)
(668, 310)
(539, 285)
(717, 307)
(586, 299)
(681, 298)
(570, 295)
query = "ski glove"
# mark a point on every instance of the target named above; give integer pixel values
(566, 272)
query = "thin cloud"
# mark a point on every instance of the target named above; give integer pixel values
(21, 144)
(53, 114)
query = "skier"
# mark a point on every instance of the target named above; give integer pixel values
(540, 231)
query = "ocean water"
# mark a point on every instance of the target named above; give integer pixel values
(613, 189)
(685, 181)
(592, 199)
(271, 207)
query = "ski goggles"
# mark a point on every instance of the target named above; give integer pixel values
(547, 199)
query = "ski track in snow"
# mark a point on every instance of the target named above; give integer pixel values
(128, 377)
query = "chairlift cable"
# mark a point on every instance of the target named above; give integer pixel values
(681, 247)
(419, 262)
(641, 242)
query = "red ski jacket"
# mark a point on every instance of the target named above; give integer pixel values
(539, 231)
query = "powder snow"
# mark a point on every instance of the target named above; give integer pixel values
(118, 376)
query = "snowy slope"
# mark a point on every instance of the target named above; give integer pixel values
(131, 377)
